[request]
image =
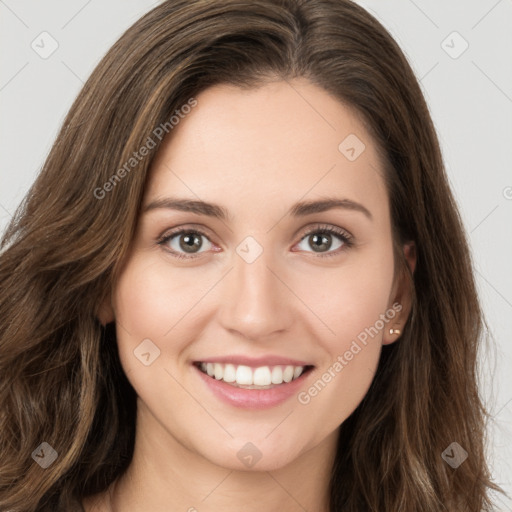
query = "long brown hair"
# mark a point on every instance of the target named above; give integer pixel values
(61, 381)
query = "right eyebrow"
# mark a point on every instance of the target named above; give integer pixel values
(189, 205)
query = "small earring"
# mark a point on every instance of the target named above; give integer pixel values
(395, 331)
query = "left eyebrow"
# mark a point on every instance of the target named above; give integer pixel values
(309, 207)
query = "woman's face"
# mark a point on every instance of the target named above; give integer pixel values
(257, 282)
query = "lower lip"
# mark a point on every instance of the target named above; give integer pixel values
(252, 398)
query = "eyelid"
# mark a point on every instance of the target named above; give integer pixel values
(327, 228)
(333, 230)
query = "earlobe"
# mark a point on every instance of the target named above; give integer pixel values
(402, 296)
(393, 330)
(105, 312)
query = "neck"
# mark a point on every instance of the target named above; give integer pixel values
(166, 475)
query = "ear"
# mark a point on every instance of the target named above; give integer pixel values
(401, 297)
(105, 312)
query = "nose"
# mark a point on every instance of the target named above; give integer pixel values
(256, 304)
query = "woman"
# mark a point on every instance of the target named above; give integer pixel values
(173, 336)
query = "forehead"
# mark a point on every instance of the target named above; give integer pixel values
(268, 146)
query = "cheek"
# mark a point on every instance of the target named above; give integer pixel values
(150, 299)
(351, 302)
(139, 304)
(153, 302)
(349, 299)
(145, 309)
(165, 305)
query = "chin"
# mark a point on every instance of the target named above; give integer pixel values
(254, 453)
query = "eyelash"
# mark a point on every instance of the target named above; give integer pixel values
(343, 235)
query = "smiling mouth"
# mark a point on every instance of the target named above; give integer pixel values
(246, 377)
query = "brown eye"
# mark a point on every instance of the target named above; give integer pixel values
(325, 241)
(190, 242)
(185, 242)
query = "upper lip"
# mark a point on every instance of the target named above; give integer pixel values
(254, 362)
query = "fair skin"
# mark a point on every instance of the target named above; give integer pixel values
(255, 153)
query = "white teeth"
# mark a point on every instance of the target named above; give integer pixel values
(244, 375)
(277, 375)
(297, 371)
(229, 373)
(264, 376)
(219, 371)
(288, 374)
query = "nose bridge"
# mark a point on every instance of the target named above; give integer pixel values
(255, 303)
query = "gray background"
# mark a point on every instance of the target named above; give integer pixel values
(469, 95)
